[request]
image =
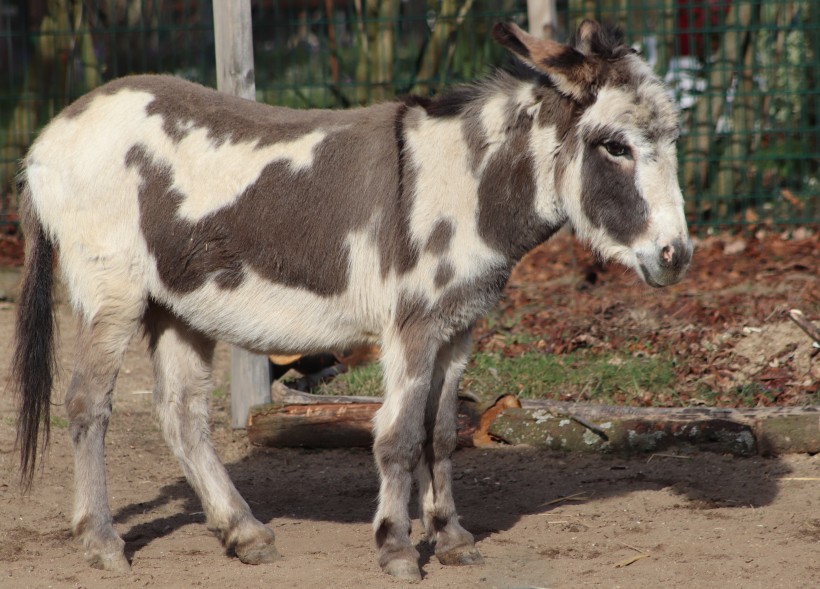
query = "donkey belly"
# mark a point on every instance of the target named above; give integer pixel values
(272, 318)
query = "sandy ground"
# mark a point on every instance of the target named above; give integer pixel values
(702, 520)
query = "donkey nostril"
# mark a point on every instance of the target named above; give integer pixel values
(668, 255)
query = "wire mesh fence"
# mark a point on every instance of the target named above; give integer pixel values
(745, 73)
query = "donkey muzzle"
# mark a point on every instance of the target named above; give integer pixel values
(668, 265)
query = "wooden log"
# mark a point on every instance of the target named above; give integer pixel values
(743, 432)
(631, 435)
(318, 425)
(297, 419)
(782, 433)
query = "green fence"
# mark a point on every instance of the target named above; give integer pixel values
(746, 74)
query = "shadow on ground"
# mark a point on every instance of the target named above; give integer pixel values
(493, 488)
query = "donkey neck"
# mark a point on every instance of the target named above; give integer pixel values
(499, 152)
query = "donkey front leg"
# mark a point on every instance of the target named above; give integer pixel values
(454, 544)
(399, 436)
(182, 367)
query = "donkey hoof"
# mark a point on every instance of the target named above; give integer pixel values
(463, 555)
(114, 562)
(403, 569)
(258, 550)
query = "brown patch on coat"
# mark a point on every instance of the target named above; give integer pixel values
(610, 198)
(444, 274)
(397, 248)
(440, 237)
(290, 226)
(474, 137)
(507, 219)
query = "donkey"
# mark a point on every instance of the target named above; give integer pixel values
(196, 216)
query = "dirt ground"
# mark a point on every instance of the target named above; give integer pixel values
(693, 520)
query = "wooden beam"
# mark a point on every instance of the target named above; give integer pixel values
(543, 18)
(233, 36)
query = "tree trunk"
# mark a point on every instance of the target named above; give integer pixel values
(699, 142)
(374, 70)
(439, 51)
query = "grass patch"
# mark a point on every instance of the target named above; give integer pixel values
(579, 376)
(365, 380)
(58, 422)
(600, 378)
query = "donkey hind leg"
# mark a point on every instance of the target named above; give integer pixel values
(399, 436)
(101, 344)
(454, 545)
(182, 373)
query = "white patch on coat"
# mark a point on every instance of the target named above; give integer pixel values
(658, 183)
(273, 318)
(494, 118)
(103, 257)
(614, 108)
(446, 188)
(544, 145)
(240, 165)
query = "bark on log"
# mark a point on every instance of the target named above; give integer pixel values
(297, 419)
(741, 432)
(319, 425)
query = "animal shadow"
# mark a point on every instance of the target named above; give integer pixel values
(494, 488)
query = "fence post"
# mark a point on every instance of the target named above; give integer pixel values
(543, 18)
(250, 374)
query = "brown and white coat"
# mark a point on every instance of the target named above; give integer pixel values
(199, 217)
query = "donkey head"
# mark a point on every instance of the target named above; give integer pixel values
(616, 167)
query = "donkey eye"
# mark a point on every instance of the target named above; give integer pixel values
(616, 149)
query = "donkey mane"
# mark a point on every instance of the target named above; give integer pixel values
(455, 101)
(606, 42)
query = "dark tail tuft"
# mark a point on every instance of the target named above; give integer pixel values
(33, 362)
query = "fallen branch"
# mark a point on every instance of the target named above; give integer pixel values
(630, 560)
(809, 328)
(284, 395)
(579, 496)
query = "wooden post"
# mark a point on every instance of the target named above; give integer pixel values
(250, 374)
(543, 18)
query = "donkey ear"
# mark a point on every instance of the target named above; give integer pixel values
(568, 67)
(587, 30)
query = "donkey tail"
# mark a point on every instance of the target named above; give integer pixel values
(33, 361)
